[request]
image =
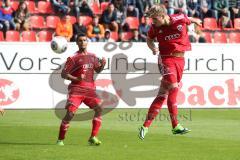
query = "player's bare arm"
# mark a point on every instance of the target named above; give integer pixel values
(196, 21)
(103, 63)
(152, 46)
(70, 77)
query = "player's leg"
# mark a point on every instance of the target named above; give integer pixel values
(154, 110)
(64, 127)
(172, 99)
(173, 80)
(71, 106)
(96, 105)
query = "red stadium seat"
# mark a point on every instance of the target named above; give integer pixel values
(44, 36)
(45, 7)
(96, 8)
(210, 24)
(220, 37)
(28, 36)
(114, 36)
(86, 20)
(15, 5)
(31, 7)
(126, 36)
(133, 22)
(12, 36)
(37, 22)
(237, 23)
(1, 36)
(234, 37)
(73, 19)
(104, 6)
(207, 36)
(52, 21)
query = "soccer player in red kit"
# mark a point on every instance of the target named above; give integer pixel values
(79, 69)
(171, 34)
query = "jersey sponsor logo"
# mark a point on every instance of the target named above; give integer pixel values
(87, 66)
(178, 17)
(9, 92)
(179, 27)
(172, 36)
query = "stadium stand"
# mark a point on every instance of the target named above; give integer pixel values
(1, 36)
(37, 22)
(237, 23)
(220, 37)
(28, 36)
(12, 36)
(51, 22)
(45, 36)
(45, 7)
(234, 37)
(43, 21)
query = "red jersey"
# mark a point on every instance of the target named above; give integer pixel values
(174, 37)
(82, 64)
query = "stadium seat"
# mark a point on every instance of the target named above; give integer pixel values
(15, 5)
(234, 37)
(12, 36)
(220, 37)
(52, 21)
(133, 22)
(207, 36)
(45, 7)
(31, 7)
(44, 36)
(210, 24)
(86, 20)
(237, 23)
(114, 36)
(104, 6)
(96, 8)
(126, 36)
(73, 19)
(1, 36)
(37, 22)
(28, 36)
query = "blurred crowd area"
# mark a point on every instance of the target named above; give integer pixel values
(113, 20)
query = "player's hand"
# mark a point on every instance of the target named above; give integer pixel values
(103, 61)
(81, 77)
(155, 51)
(198, 22)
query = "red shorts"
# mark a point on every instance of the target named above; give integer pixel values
(88, 97)
(172, 69)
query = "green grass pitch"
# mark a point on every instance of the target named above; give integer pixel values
(31, 135)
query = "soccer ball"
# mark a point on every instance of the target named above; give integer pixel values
(59, 44)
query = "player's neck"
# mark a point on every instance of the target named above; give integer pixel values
(83, 51)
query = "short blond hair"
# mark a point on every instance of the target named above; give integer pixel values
(156, 10)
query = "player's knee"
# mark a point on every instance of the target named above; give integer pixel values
(98, 109)
(69, 116)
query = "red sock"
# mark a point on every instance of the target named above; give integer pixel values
(96, 125)
(63, 129)
(154, 110)
(172, 106)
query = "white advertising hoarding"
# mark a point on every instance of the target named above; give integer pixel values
(30, 79)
